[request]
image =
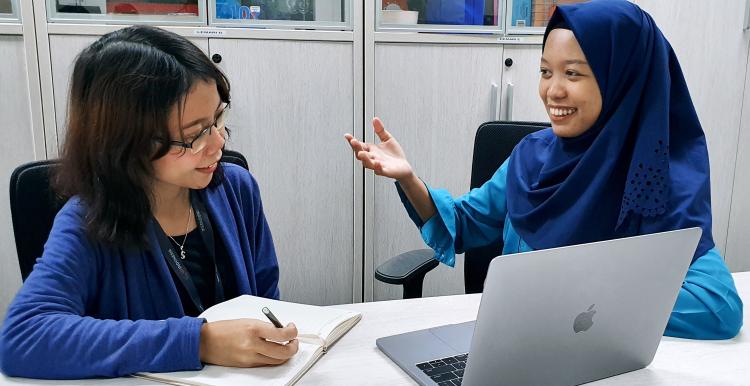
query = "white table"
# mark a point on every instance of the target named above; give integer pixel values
(355, 360)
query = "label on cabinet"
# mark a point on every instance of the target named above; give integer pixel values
(208, 32)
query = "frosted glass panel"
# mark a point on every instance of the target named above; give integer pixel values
(448, 15)
(128, 11)
(6, 7)
(8, 11)
(531, 16)
(270, 13)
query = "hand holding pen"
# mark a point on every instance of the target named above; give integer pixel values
(247, 342)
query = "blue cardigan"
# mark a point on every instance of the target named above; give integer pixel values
(91, 310)
(707, 307)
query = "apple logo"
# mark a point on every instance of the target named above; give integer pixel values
(584, 320)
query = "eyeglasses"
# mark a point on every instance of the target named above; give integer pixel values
(200, 141)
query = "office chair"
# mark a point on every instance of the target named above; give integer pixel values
(493, 144)
(34, 205)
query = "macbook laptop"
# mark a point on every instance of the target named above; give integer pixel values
(561, 316)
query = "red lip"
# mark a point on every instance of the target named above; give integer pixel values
(560, 119)
(557, 119)
(208, 169)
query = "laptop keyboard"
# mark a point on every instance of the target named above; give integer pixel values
(447, 371)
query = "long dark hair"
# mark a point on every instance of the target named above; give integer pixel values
(122, 91)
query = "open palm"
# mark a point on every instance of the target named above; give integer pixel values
(385, 158)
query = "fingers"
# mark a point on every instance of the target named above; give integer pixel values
(262, 360)
(368, 160)
(380, 130)
(269, 337)
(356, 144)
(362, 150)
(349, 138)
(278, 351)
(268, 331)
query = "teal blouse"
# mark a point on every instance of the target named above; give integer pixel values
(707, 306)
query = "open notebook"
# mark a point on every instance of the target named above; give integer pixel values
(318, 328)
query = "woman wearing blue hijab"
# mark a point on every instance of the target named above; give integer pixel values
(626, 155)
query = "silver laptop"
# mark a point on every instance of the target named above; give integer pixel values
(561, 316)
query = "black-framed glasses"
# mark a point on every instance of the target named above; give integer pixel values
(201, 140)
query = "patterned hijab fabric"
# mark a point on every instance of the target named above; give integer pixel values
(641, 168)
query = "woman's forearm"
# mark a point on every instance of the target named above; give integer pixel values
(418, 196)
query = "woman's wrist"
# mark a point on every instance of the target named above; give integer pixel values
(418, 195)
(202, 347)
(409, 182)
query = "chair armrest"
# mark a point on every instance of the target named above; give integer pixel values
(408, 269)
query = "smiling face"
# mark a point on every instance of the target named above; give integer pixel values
(567, 86)
(180, 168)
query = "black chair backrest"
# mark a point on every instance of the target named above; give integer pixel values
(34, 205)
(493, 144)
(234, 157)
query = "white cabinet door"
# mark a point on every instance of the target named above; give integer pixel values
(16, 147)
(292, 102)
(521, 84)
(712, 50)
(432, 98)
(63, 51)
(738, 239)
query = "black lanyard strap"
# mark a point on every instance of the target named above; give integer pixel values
(207, 233)
(179, 269)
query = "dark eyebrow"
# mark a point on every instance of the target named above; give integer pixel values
(570, 61)
(576, 61)
(199, 120)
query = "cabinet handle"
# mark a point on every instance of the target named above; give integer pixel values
(495, 102)
(216, 58)
(509, 102)
(746, 26)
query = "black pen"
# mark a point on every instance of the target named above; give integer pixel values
(272, 317)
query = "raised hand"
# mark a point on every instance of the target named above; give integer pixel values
(388, 159)
(247, 343)
(385, 158)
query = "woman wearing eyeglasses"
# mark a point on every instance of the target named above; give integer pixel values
(156, 228)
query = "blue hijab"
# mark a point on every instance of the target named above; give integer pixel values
(641, 168)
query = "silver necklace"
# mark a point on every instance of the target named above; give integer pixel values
(187, 226)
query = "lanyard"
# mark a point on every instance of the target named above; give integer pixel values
(175, 263)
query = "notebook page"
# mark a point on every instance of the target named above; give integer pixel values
(340, 330)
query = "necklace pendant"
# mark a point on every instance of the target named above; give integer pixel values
(182, 253)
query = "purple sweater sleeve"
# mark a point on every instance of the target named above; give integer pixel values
(47, 333)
